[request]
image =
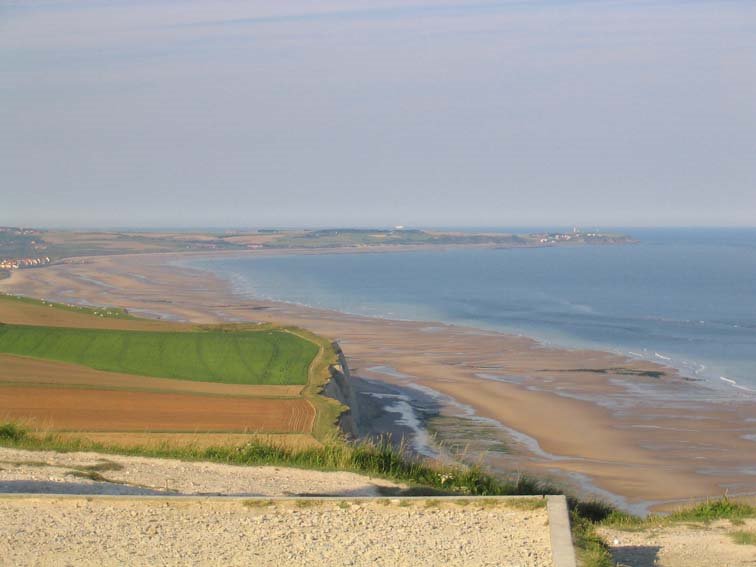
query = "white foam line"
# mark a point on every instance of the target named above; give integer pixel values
(734, 384)
(420, 440)
(531, 443)
(388, 371)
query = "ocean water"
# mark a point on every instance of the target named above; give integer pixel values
(682, 297)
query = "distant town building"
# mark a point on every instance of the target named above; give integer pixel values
(19, 263)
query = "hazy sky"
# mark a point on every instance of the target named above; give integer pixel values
(371, 112)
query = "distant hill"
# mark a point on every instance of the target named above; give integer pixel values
(20, 243)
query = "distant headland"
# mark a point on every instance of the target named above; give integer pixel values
(29, 247)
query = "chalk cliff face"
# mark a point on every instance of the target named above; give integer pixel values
(340, 388)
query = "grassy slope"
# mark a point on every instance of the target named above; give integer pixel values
(327, 410)
(109, 312)
(382, 460)
(246, 357)
(27, 311)
(594, 552)
(705, 512)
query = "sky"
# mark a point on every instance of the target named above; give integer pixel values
(184, 113)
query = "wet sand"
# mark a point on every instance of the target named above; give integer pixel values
(593, 421)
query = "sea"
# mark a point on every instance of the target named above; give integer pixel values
(685, 298)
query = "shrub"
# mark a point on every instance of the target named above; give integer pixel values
(11, 432)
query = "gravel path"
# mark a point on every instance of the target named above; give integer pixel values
(66, 473)
(45, 530)
(80, 530)
(682, 545)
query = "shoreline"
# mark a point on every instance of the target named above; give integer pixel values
(598, 433)
(697, 372)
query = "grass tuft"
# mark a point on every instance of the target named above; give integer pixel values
(526, 503)
(744, 538)
(592, 550)
(90, 475)
(252, 503)
(11, 432)
(705, 512)
(104, 466)
(709, 511)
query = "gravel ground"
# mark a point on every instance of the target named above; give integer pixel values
(65, 473)
(45, 530)
(682, 545)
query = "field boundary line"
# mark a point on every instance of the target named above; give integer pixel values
(312, 391)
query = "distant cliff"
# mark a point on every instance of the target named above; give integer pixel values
(340, 388)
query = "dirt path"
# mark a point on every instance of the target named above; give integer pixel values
(682, 545)
(48, 529)
(92, 473)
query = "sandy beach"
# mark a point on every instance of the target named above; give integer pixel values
(595, 422)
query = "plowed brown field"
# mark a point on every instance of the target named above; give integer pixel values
(117, 410)
(20, 370)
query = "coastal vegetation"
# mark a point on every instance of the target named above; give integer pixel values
(705, 512)
(592, 521)
(381, 459)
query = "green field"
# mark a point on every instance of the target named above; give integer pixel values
(241, 357)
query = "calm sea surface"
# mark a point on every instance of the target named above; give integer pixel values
(682, 297)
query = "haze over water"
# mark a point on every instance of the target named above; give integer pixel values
(682, 297)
